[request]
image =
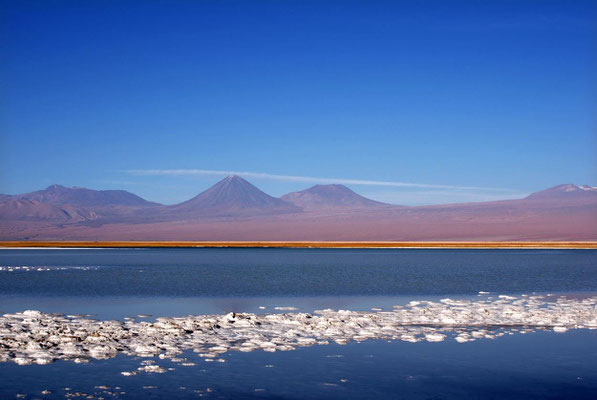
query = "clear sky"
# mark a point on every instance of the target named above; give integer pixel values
(478, 99)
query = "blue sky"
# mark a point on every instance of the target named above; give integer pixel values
(474, 100)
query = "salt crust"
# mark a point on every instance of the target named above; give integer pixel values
(32, 337)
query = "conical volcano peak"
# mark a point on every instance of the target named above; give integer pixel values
(234, 178)
(233, 188)
(234, 196)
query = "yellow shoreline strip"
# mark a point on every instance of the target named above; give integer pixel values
(304, 244)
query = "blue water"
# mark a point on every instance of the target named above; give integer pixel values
(169, 282)
(297, 272)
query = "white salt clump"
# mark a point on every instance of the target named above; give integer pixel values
(435, 337)
(502, 296)
(32, 337)
(152, 369)
(463, 338)
(31, 313)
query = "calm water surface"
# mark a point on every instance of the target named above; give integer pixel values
(167, 282)
(296, 272)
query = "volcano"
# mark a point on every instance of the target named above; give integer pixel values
(234, 209)
(232, 197)
(330, 196)
(567, 193)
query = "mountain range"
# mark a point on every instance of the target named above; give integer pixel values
(234, 209)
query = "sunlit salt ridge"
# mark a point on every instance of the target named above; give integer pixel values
(38, 268)
(33, 337)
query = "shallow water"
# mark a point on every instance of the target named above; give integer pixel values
(113, 284)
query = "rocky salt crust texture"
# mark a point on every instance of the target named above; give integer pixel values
(33, 337)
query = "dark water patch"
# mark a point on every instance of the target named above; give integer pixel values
(539, 365)
(297, 272)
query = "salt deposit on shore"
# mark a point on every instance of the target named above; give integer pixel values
(33, 337)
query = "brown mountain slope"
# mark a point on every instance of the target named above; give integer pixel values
(568, 193)
(330, 196)
(15, 209)
(83, 197)
(60, 204)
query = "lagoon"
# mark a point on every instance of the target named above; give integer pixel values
(119, 283)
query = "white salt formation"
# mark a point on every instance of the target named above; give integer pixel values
(26, 268)
(33, 337)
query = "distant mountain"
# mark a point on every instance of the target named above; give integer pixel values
(563, 200)
(15, 209)
(234, 209)
(330, 196)
(60, 204)
(232, 197)
(82, 197)
(568, 192)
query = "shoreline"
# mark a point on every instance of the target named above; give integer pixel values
(302, 244)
